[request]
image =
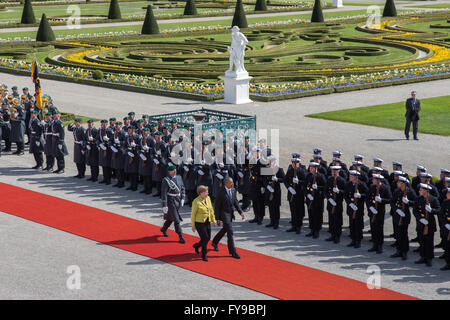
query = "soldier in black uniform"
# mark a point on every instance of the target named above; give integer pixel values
(159, 155)
(416, 180)
(243, 176)
(118, 156)
(90, 140)
(145, 163)
(36, 140)
(59, 149)
(257, 189)
(378, 163)
(335, 194)
(6, 126)
(272, 184)
(445, 212)
(132, 159)
(294, 182)
(104, 139)
(79, 147)
(402, 200)
(393, 177)
(355, 194)
(315, 194)
(17, 134)
(48, 139)
(172, 197)
(440, 185)
(425, 208)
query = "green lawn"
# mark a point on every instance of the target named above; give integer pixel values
(433, 6)
(434, 116)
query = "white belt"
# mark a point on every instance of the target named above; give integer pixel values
(174, 194)
(77, 142)
(55, 134)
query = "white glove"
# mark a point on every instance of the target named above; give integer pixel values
(60, 146)
(240, 174)
(428, 208)
(353, 206)
(291, 190)
(314, 186)
(424, 221)
(156, 161)
(186, 168)
(332, 202)
(203, 162)
(91, 138)
(310, 197)
(373, 210)
(295, 180)
(38, 143)
(116, 140)
(131, 154)
(158, 152)
(262, 189)
(114, 149)
(133, 144)
(378, 199)
(172, 154)
(405, 200)
(357, 195)
(335, 190)
(102, 146)
(182, 202)
(400, 213)
(219, 176)
(16, 115)
(88, 147)
(144, 158)
(146, 148)
(200, 172)
(106, 138)
(274, 178)
(447, 226)
(165, 210)
(270, 189)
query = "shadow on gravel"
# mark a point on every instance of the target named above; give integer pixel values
(385, 140)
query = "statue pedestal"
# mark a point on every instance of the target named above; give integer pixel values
(337, 3)
(237, 87)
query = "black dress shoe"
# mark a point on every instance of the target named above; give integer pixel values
(351, 244)
(103, 181)
(404, 256)
(291, 229)
(94, 180)
(373, 249)
(329, 239)
(253, 220)
(446, 267)
(77, 176)
(394, 244)
(275, 227)
(236, 256)
(416, 250)
(336, 240)
(196, 246)
(298, 231)
(357, 245)
(269, 225)
(379, 251)
(315, 235)
(121, 186)
(396, 255)
(415, 138)
(90, 179)
(35, 167)
(407, 138)
(59, 171)
(214, 245)
(428, 263)
(129, 188)
(182, 240)
(164, 232)
(259, 223)
(309, 234)
(392, 235)
(205, 258)
(420, 261)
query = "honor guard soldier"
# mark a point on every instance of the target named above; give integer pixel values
(402, 200)
(6, 126)
(336, 161)
(79, 147)
(441, 196)
(59, 149)
(294, 182)
(15, 92)
(118, 156)
(364, 168)
(189, 179)
(445, 212)
(90, 139)
(145, 163)
(104, 139)
(440, 185)
(172, 197)
(257, 189)
(335, 196)
(132, 118)
(48, 138)
(272, 181)
(315, 194)
(379, 195)
(132, 158)
(159, 155)
(36, 140)
(358, 166)
(220, 172)
(425, 208)
(396, 176)
(243, 175)
(355, 193)
(393, 178)
(416, 180)
(378, 163)
(17, 127)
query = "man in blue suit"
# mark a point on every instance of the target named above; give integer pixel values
(412, 115)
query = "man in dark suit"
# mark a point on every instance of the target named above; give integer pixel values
(412, 115)
(224, 206)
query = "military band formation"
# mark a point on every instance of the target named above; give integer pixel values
(138, 151)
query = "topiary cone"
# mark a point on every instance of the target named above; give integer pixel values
(150, 25)
(239, 18)
(28, 13)
(45, 32)
(190, 9)
(389, 9)
(114, 10)
(261, 5)
(317, 15)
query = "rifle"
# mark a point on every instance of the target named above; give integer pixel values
(89, 135)
(313, 191)
(144, 143)
(405, 193)
(355, 191)
(377, 194)
(427, 202)
(334, 194)
(132, 140)
(292, 183)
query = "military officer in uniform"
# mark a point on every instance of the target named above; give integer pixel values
(132, 159)
(145, 164)
(59, 149)
(335, 196)
(48, 139)
(79, 147)
(294, 182)
(159, 158)
(6, 126)
(90, 138)
(425, 208)
(402, 200)
(18, 128)
(272, 184)
(172, 197)
(36, 140)
(118, 156)
(445, 212)
(315, 193)
(104, 138)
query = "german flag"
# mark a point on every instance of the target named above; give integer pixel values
(37, 83)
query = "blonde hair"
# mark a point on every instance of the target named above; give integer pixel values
(201, 189)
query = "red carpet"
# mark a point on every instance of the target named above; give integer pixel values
(265, 274)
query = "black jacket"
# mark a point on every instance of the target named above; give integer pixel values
(224, 207)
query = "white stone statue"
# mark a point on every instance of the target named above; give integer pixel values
(237, 50)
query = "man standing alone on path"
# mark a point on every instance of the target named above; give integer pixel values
(412, 115)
